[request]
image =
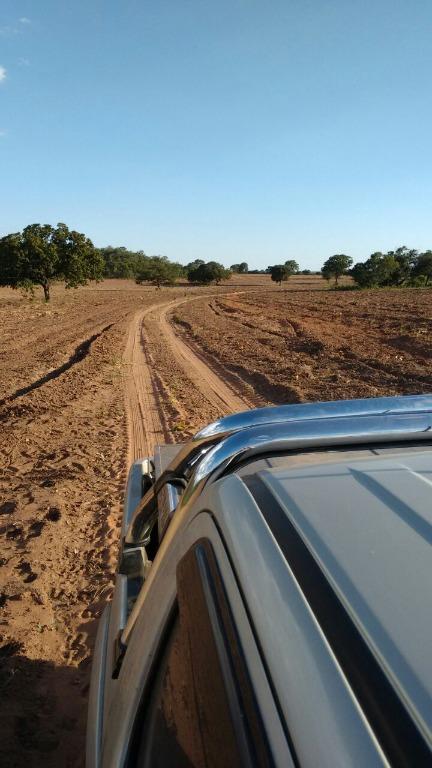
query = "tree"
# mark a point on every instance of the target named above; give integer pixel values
(42, 254)
(119, 262)
(279, 273)
(336, 266)
(378, 270)
(159, 271)
(406, 259)
(193, 265)
(423, 266)
(361, 275)
(292, 267)
(212, 272)
(241, 269)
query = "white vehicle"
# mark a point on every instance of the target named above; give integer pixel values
(273, 602)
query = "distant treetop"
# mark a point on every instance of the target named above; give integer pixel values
(403, 266)
(240, 268)
(336, 266)
(206, 273)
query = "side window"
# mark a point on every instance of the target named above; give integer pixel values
(171, 733)
(200, 709)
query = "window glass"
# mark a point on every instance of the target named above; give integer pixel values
(171, 735)
(199, 709)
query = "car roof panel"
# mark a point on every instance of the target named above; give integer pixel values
(368, 522)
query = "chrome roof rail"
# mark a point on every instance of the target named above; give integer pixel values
(198, 446)
(287, 427)
(318, 410)
(307, 435)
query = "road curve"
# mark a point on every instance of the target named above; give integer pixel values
(145, 418)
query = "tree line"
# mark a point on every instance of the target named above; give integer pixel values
(403, 266)
(42, 254)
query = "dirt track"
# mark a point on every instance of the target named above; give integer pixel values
(147, 424)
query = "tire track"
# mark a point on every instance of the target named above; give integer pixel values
(144, 422)
(145, 418)
(215, 390)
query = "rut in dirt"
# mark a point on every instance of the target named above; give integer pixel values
(81, 351)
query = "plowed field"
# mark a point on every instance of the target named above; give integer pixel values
(316, 345)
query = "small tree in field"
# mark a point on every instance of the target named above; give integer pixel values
(212, 272)
(158, 271)
(41, 255)
(336, 266)
(279, 273)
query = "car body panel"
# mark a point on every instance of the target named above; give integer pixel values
(95, 714)
(147, 637)
(373, 542)
(323, 719)
(354, 481)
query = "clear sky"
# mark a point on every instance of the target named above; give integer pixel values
(256, 130)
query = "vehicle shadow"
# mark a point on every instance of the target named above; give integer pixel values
(43, 710)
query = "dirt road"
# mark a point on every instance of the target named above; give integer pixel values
(147, 422)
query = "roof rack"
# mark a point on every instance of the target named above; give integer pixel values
(305, 426)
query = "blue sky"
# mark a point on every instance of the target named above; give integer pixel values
(230, 130)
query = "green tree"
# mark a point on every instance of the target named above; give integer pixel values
(240, 269)
(361, 275)
(181, 269)
(378, 270)
(406, 259)
(279, 273)
(336, 266)
(158, 270)
(119, 262)
(42, 254)
(423, 266)
(292, 267)
(212, 272)
(193, 265)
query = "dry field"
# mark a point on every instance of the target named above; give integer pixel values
(316, 345)
(95, 379)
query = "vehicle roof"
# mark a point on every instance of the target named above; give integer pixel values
(366, 518)
(323, 509)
